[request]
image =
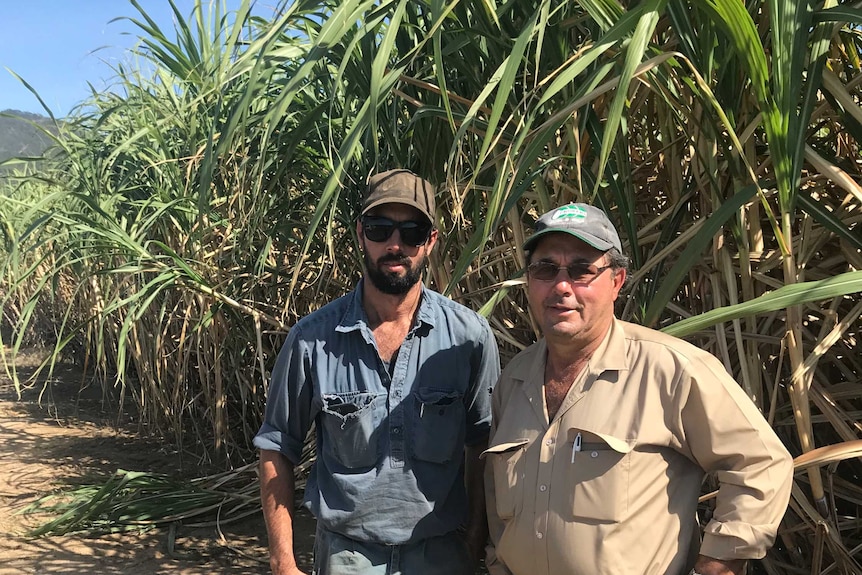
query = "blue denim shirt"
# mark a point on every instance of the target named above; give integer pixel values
(390, 450)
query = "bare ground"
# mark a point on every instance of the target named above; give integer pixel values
(68, 435)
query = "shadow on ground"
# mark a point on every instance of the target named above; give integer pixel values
(65, 434)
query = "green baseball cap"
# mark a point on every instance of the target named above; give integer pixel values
(583, 221)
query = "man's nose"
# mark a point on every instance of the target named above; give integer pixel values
(394, 242)
(563, 282)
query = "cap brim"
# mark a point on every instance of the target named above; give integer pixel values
(406, 202)
(588, 239)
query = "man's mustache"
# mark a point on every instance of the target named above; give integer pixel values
(400, 259)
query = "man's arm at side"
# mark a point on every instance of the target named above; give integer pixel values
(493, 564)
(729, 437)
(710, 566)
(277, 485)
(477, 521)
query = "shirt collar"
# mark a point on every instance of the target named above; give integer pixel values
(609, 356)
(355, 318)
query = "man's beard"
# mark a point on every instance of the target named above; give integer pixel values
(392, 283)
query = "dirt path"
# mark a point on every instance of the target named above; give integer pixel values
(39, 448)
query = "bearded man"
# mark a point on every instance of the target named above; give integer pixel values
(397, 380)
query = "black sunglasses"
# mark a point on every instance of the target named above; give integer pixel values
(578, 272)
(379, 229)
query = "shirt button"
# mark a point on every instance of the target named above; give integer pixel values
(543, 488)
(549, 441)
(538, 535)
(396, 430)
(594, 454)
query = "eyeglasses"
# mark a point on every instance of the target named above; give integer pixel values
(578, 272)
(379, 229)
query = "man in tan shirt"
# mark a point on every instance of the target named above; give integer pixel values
(603, 430)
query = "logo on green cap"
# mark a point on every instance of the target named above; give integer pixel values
(570, 213)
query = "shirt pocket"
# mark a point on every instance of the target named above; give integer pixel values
(351, 427)
(507, 464)
(597, 471)
(439, 423)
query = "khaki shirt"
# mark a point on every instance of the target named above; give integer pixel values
(610, 486)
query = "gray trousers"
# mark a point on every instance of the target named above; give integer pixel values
(336, 554)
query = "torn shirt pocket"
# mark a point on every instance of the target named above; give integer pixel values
(351, 423)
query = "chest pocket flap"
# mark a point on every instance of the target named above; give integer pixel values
(504, 447)
(439, 425)
(598, 440)
(508, 465)
(596, 474)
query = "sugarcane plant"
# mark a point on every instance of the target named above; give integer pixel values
(190, 216)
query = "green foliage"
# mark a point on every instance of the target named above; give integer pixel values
(133, 500)
(192, 215)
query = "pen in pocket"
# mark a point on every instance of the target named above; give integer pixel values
(576, 446)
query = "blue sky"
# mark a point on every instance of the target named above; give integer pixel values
(58, 46)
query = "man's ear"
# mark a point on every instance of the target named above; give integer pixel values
(619, 281)
(432, 239)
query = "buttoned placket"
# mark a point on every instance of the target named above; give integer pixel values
(549, 445)
(396, 387)
(551, 441)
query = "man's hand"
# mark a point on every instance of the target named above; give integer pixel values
(476, 539)
(280, 568)
(277, 486)
(710, 566)
(476, 536)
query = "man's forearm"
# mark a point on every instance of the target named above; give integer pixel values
(711, 566)
(477, 522)
(277, 485)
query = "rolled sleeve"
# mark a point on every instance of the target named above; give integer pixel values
(288, 406)
(736, 540)
(272, 439)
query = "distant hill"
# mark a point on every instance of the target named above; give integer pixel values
(20, 138)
